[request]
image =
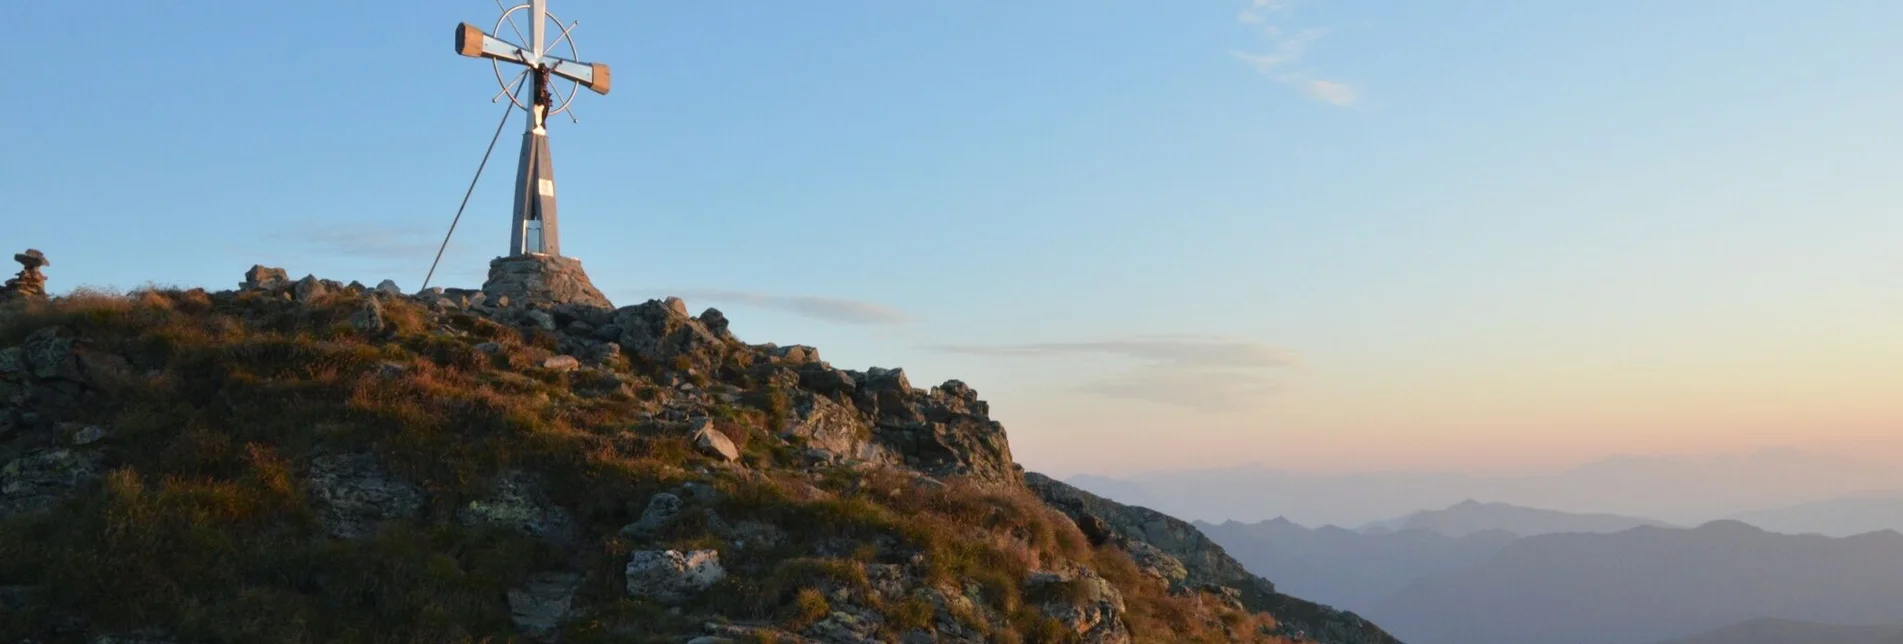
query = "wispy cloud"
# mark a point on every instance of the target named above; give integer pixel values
(1205, 373)
(830, 309)
(365, 240)
(1285, 52)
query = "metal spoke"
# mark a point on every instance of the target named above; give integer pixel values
(511, 87)
(512, 27)
(564, 36)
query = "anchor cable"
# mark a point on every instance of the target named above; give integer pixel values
(507, 111)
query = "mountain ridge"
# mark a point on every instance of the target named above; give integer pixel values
(314, 461)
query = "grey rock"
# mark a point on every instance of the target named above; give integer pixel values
(662, 509)
(308, 289)
(32, 259)
(1089, 606)
(671, 576)
(368, 319)
(355, 494)
(713, 443)
(40, 480)
(88, 435)
(544, 604)
(49, 353)
(264, 277)
(516, 502)
(389, 287)
(796, 354)
(540, 319)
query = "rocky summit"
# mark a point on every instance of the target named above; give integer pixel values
(313, 461)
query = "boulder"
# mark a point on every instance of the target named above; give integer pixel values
(713, 443)
(662, 509)
(309, 288)
(671, 576)
(368, 319)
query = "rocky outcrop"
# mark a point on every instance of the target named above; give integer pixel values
(355, 494)
(1154, 539)
(517, 503)
(30, 283)
(542, 281)
(672, 576)
(1084, 603)
(38, 481)
(520, 446)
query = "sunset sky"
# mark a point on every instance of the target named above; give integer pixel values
(1317, 235)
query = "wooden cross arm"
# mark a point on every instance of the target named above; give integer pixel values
(593, 76)
(472, 42)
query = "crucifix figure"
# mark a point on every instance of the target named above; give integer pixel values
(533, 230)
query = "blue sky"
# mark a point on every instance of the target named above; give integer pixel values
(1317, 234)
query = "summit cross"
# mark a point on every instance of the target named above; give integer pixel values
(533, 230)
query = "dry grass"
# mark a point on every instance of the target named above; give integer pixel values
(204, 526)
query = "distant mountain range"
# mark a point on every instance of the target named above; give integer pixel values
(1673, 489)
(1345, 568)
(1840, 517)
(1472, 517)
(1647, 584)
(1479, 583)
(1784, 631)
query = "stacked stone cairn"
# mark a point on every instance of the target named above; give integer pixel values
(30, 284)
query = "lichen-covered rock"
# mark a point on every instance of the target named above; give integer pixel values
(661, 510)
(355, 494)
(517, 503)
(40, 480)
(671, 576)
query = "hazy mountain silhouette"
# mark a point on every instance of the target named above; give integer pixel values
(1841, 517)
(1784, 631)
(1649, 584)
(1677, 489)
(1471, 517)
(1345, 568)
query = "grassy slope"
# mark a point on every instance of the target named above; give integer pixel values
(202, 525)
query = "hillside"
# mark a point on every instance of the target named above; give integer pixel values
(313, 461)
(1650, 584)
(1784, 631)
(1473, 517)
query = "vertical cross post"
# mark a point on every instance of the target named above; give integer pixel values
(535, 223)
